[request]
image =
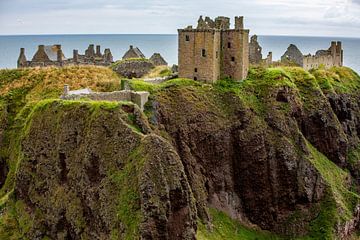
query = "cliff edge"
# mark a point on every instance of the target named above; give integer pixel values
(275, 156)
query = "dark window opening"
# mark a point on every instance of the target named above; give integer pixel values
(217, 54)
(187, 38)
(233, 59)
(195, 70)
(195, 78)
(229, 44)
(203, 53)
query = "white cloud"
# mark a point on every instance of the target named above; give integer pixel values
(285, 17)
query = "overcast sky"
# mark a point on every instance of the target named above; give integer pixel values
(263, 17)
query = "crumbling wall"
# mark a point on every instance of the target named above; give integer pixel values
(292, 55)
(139, 98)
(255, 55)
(133, 68)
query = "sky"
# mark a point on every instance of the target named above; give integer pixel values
(263, 17)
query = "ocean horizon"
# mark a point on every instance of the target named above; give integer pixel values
(165, 44)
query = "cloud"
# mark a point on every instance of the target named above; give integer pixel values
(285, 17)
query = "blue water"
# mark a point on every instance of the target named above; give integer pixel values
(164, 44)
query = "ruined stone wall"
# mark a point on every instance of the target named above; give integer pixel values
(327, 58)
(235, 54)
(139, 98)
(199, 54)
(255, 55)
(133, 68)
(310, 62)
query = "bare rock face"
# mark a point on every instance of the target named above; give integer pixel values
(248, 171)
(135, 68)
(293, 55)
(87, 174)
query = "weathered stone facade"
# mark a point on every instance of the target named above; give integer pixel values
(133, 53)
(158, 60)
(53, 56)
(213, 51)
(139, 98)
(133, 68)
(293, 55)
(255, 55)
(327, 58)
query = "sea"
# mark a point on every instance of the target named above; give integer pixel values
(166, 44)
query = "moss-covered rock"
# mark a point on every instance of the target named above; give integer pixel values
(278, 152)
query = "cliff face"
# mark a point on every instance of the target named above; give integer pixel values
(279, 151)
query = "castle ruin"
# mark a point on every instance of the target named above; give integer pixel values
(213, 51)
(334, 56)
(53, 56)
(255, 53)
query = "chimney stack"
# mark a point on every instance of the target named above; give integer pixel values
(98, 51)
(75, 56)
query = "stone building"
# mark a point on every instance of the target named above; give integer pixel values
(213, 51)
(292, 55)
(334, 56)
(133, 53)
(158, 60)
(93, 57)
(53, 56)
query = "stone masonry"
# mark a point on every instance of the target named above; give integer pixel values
(213, 51)
(292, 55)
(139, 98)
(53, 56)
(255, 55)
(334, 56)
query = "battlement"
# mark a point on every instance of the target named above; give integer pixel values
(213, 50)
(334, 56)
(220, 23)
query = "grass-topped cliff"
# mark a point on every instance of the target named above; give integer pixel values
(275, 156)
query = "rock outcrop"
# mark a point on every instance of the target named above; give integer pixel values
(277, 152)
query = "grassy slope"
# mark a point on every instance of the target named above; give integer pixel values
(21, 87)
(254, 91)
(15, 222)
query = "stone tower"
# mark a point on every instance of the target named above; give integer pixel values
(213, 51)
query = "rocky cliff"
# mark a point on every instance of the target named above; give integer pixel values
(273, 157)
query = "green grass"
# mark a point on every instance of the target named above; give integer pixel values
(128, 197)
(139, 85)
(339, 202)
(226, 228)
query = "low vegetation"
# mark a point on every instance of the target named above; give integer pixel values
(25, 91)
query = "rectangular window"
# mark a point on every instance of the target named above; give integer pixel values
(187, 38)
(233, 59)
(217, 54)
(229, 44)
(195, 70)
(203, 53)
